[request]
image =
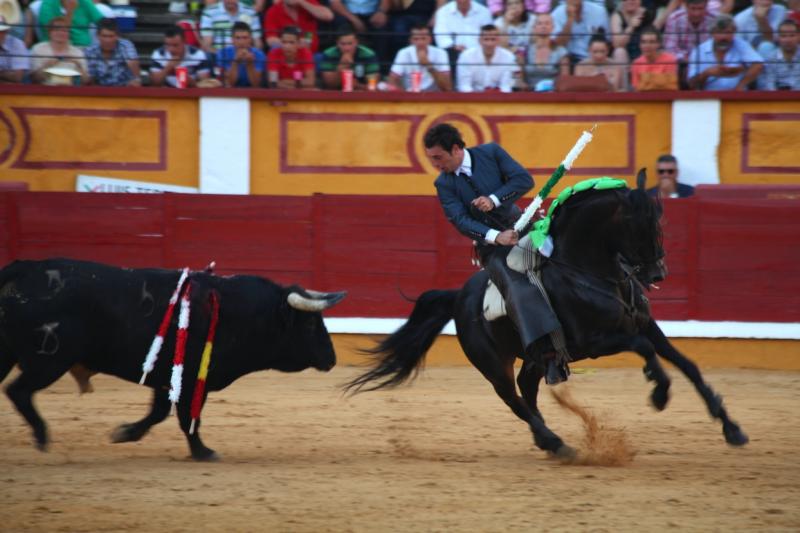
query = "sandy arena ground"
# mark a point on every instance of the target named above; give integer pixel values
(442, 455)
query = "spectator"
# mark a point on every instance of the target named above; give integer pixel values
(79, 16)
(369, 18)
(107, 13)
(627, 22)
(487, 67)
(13, 15)
(545, 60)
(516, 27)
(257, 5)
(421, 56)
(176, 53)
(349, 55)
(782, 68)
(758, 25)
(794, 10)
(303, 14)
(724, 62)
(686, 28)
(14, 59)
(243, 65)
(57, 53)
(575, 21)
(531, 6)
(407, 14)
(599, 62)
(668, 184)
(112, 61)
(655, 69)
(218, 20)
(291, 65)
(458, 24)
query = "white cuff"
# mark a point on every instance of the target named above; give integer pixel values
(491, 235)
(495, 200)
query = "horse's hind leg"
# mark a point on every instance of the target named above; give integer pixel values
(528, 380)
(733, 434)
(35, 377)
(135, 431)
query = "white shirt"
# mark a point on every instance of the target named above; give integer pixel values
(407, 62)
(475, 74)
(466, 168)
(453, 28)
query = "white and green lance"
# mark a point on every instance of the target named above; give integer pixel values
(586, 138)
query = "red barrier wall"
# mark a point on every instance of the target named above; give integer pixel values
(730, 258)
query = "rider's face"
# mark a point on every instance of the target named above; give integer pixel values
(445, 161)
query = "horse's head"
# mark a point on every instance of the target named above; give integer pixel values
(644, 250)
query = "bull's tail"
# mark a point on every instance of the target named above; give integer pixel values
(401, 354)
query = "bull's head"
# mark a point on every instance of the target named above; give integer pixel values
(312, 346)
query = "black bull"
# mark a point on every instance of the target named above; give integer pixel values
(58, 313)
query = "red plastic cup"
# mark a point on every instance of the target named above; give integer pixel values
(181, 77)
(347, 80)
(416, 81)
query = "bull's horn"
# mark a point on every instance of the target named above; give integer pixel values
(319, 301)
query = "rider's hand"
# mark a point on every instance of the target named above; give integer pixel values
(484, 203)
(508, 237)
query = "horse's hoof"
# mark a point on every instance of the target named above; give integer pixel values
(41, 446)
(660, 397)
(735, 436)
(565, 453)
(208, 456)
(123, 433)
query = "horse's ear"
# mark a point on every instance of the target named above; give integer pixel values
(641, 178)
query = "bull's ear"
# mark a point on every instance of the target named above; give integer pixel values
(641, 178)
(314, 301)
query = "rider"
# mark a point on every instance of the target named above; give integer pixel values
(477, 188)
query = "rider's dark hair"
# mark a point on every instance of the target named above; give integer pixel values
(444, 135)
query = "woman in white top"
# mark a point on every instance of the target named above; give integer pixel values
(57, 53)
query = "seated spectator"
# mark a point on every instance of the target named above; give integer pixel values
(369, 18)
(545, 60)
(107, 13)
(668, 184)
(256, 5)
(599, 62)
(782, 68)
(242, 64)
(758, 25)
(458, 24)
(79, 14)
(14, 59)
(794, 10)
(575, 21)
(218, 20)
(303, 14)
(487, 67)
(531, 6)
(516, 26)
(349, 55)
(407, 14)
(654, 70)
(112, 61)
(290, 66)
(686, 28)
(421, 56)
(627, 23)
(58, 53)
(176, 53)
(724, 62)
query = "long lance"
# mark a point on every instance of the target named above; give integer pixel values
(527, 215)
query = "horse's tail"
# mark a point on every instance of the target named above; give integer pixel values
(401, 353)
(7, 358)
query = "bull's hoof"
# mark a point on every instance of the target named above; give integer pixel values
(125, 433)
(206, 456)
(41, 446)
(660, 397)
(734, 435)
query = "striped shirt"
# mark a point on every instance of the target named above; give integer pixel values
(216, 22)
(194, 60)
(680, 36)
(779, 73)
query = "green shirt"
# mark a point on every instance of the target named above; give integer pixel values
(365, 62)
(84, 15)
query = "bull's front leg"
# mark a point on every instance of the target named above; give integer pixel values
(200, 452)
(135, 431)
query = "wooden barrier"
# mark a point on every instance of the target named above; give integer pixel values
(730, 259)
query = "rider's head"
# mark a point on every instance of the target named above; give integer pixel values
(444, 147)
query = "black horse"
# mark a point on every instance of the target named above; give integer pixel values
(607, 250)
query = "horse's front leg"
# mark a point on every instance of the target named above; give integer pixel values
(528, 379)
(733, 433)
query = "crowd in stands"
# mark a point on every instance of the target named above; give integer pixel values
(417, 45)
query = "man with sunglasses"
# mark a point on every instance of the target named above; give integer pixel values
(668, 186)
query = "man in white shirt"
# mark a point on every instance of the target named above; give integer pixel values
(430, 61)
(458, 24)
(487, 67)
(758, 25)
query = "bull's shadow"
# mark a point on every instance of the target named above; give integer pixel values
(59, 313)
